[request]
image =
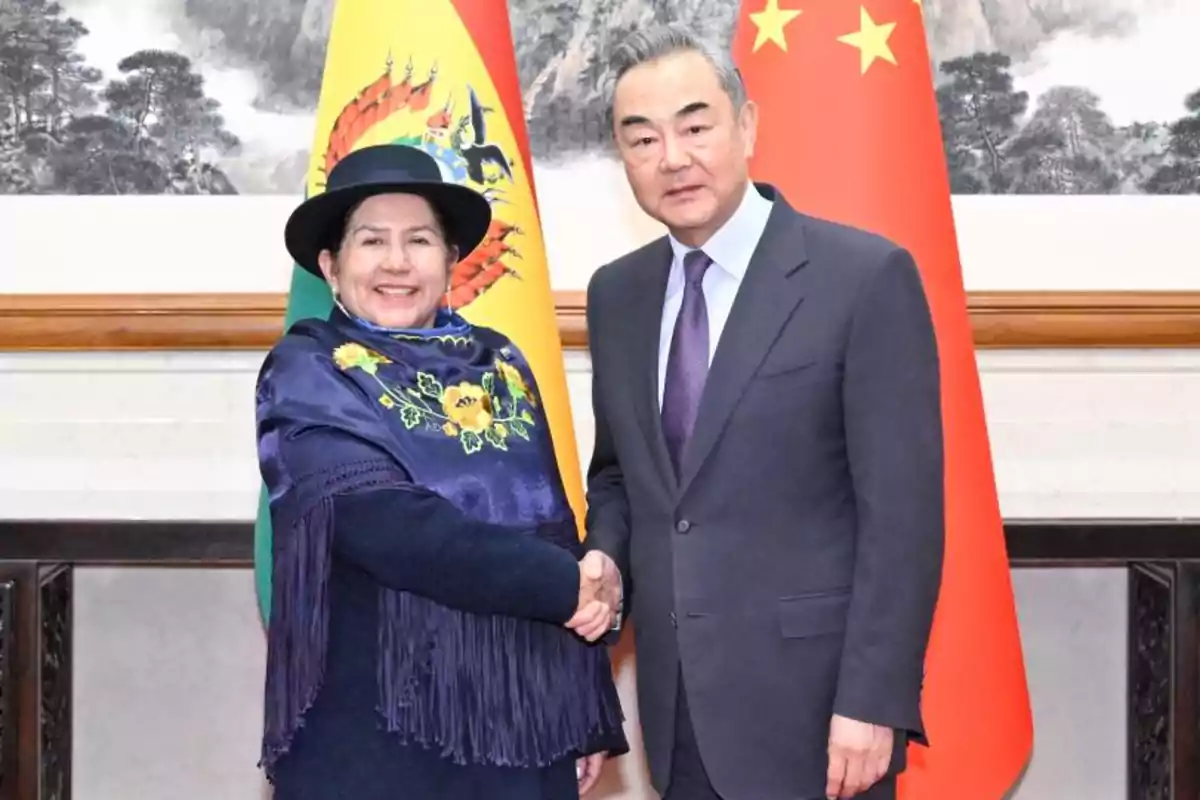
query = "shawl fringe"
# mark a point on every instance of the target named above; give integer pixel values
(477, 689)
(298, 630)
(491, 689)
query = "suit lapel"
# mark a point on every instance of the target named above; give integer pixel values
(645, 325)
(770, 292)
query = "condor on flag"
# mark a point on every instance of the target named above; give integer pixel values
(441, 75)
(848, 130)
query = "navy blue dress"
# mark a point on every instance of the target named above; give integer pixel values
(341, 751)
(425, 560)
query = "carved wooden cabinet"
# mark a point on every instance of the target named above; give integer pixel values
(37, 559)
(35, 681)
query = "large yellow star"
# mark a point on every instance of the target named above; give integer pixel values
(871, 40)
(770, 22)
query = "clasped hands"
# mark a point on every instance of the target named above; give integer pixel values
(599, 596)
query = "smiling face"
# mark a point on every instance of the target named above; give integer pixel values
(684, 146)
(392, 266)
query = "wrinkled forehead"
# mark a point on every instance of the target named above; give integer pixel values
(666, 89)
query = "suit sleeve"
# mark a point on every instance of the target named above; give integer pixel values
(414, 540)
(892, 406)
(608, 527)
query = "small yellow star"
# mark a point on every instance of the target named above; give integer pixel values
(770, 22)
(871, 40)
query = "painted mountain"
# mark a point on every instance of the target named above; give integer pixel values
(1036, 96)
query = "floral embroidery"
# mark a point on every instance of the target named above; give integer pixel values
(516, 384)
(469, 406)
(353, 354)
(445, 338)
(471, 412)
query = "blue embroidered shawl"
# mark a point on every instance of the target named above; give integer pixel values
(456, 411)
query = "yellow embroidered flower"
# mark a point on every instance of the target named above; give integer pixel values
(386, 401)
(353, 354)
(501, 431)
(450, 429)
(516, 384)
(469, 406)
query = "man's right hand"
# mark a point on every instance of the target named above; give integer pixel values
(599, 596)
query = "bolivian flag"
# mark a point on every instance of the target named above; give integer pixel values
(441, 75)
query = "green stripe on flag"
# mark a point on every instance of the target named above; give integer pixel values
(308, 297)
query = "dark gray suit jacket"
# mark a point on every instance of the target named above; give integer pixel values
(792, 569)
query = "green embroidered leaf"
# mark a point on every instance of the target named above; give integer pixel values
(429, 385)
(489, 380)
(471, 442)
(412, 416)
(519, 429)
(413, 392)
(495, 439)
(526, 416)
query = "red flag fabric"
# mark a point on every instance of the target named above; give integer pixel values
(848, 130)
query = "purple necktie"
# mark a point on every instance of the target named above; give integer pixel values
(687, 361)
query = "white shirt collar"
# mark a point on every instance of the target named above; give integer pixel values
(733, 244)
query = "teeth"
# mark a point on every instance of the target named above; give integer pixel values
(393, 290)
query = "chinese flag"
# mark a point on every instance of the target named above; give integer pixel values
(442, 75)
(848, 130)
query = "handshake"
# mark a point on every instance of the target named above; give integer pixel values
(599, 596)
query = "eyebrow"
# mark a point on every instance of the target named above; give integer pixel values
(690, 108)
(366, 226)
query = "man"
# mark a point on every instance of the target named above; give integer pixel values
(767, 468)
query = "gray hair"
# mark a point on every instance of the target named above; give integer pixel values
(650, 44)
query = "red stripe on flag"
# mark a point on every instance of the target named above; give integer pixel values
(487, 24)
(850, 131)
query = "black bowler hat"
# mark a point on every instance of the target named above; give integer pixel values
(382, 169)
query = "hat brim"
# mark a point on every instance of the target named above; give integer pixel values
(465, 213)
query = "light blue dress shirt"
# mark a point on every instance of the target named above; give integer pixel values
(730, 250)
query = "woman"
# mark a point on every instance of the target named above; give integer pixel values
(426, 561)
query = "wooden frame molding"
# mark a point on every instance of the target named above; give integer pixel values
(1085, 319)
(66, 322)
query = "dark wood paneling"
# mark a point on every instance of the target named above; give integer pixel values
(63, 322)
(1151, 631)
(35, 756)
(94, 542)
(54, 686)
(21, 772)
(1164, 670)
(1186, 694)
(9, 687)
(1115, 542)
(1030, 542)
(37, 558)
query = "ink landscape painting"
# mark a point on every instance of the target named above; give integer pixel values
(218, 96)
(1037, 98)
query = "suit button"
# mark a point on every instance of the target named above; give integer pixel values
(674, 620)
(683, 526)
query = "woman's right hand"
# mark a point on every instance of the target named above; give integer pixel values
(599, 597)
(588, 771)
